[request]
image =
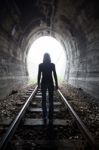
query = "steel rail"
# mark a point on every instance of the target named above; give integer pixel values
(81, 125)
(11, 130)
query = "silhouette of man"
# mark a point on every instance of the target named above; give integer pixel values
(47, 71)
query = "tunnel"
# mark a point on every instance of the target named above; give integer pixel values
(73, 23)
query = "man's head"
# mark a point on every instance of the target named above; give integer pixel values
(46, 58)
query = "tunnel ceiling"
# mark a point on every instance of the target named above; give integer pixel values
(68, 18)
(75, 23)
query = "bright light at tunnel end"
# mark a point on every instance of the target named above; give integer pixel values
(46, 44)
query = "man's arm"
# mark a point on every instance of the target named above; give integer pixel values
(55, 77)
(39, 76)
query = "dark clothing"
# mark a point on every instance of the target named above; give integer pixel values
(47, 70)
(44, 107)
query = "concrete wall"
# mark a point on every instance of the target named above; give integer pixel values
(84, 63)
(78, 23)
(12, 70)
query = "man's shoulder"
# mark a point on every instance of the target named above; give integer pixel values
(40, 64)
(53, 64)
(50, 64)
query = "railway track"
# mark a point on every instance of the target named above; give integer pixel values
(28, 131)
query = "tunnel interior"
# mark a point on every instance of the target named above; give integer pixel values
(75, 24)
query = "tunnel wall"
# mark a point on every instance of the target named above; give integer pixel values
(12, 70)
(79, 24)
(84, 68)
(84, 52)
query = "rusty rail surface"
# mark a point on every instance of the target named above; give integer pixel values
(11, 130)
(81, 125)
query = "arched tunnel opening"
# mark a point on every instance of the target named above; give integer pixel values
(74, 26)
(77, 32)
(42, 45)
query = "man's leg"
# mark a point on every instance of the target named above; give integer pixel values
(50, 90)
(44, 108)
